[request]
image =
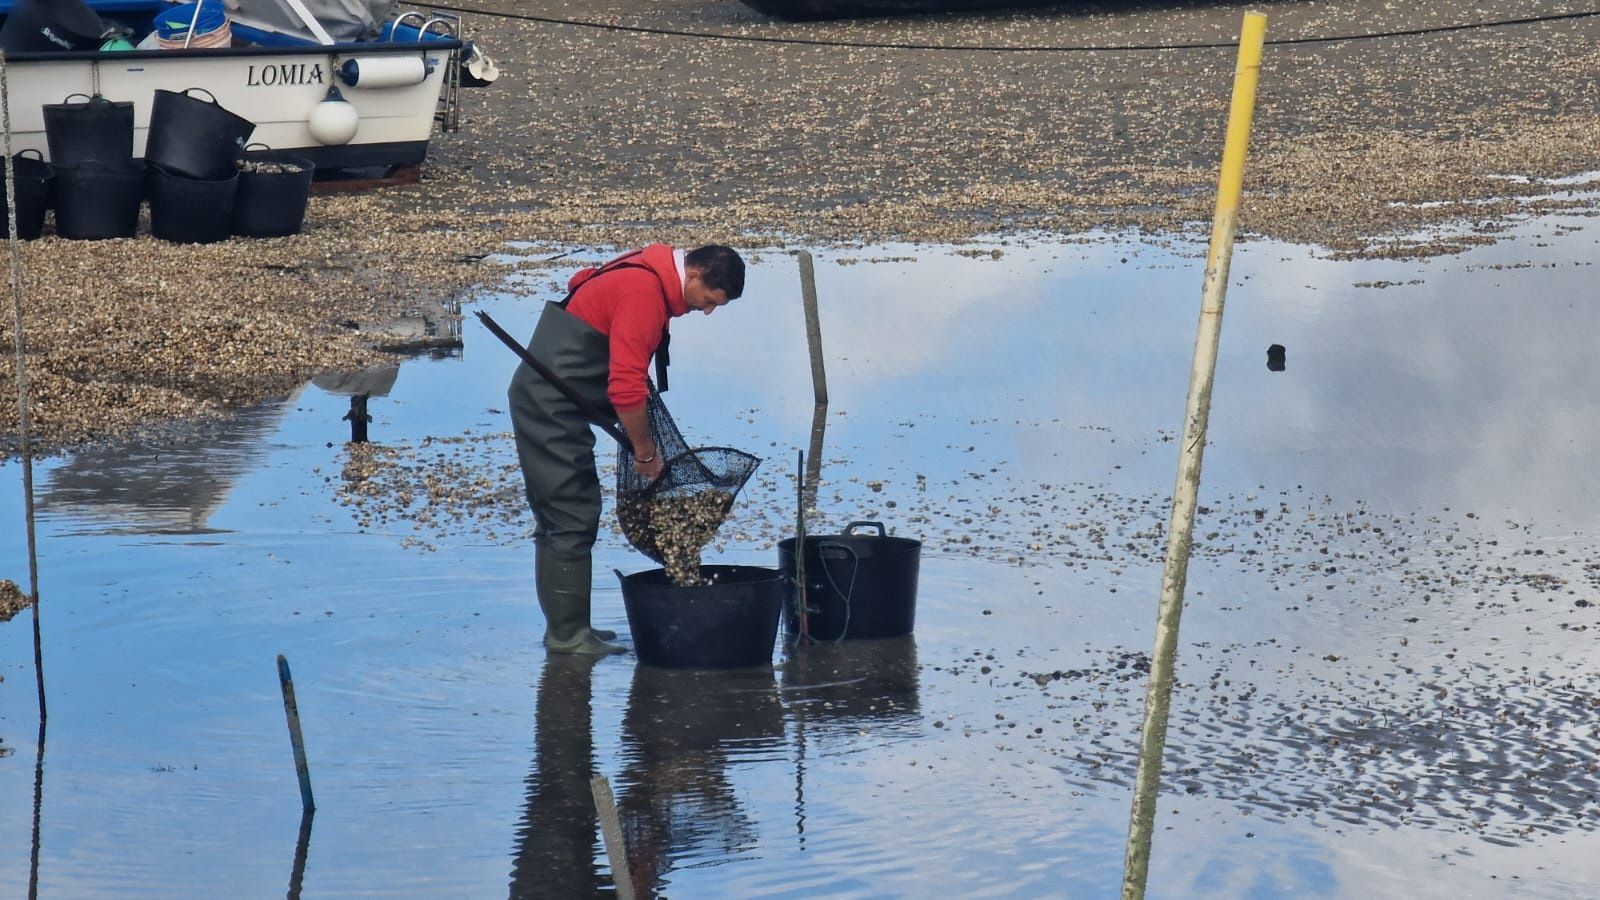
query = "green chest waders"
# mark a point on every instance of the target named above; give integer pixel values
(556, 449)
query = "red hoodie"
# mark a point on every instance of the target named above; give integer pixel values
(627, 307)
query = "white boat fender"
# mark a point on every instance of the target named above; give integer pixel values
(384, 71)
(479, 69)
(333, 121)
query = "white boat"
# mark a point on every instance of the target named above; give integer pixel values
(288, 60)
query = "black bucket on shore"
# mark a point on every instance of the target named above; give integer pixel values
(273, 191)
(190, 210)
(96, 200)
(194, 137)
(95, 129)
(34, 180)
(728, 624)
(857, 585)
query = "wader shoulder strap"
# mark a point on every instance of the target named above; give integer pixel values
(663, 359)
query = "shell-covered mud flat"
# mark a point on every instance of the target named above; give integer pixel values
(601, 137)
(1431, 726)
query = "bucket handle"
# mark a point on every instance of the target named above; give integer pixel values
(855, 569)
(213, 97)
(848, 529)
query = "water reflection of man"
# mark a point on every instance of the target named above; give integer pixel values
(599, 340)
(678, 733)
(556, 845)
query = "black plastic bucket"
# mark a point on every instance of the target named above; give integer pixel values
(96, 200)
(195, 137)
(34, 180)
(190, 210)
(42, 26)
(729, 624)
(273, 190)
(94, 129)
(857, 585)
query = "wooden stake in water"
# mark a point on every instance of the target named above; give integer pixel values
(800, 598)
(1158, 695)
(605, 805)
(808, 293)
(292, 711)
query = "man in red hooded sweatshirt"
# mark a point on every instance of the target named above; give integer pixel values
(599, 340)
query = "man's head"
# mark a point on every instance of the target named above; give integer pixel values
(712, 276)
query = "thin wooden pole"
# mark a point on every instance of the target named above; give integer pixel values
(291, 711)
(800, 599)
(38, 810)
(1158, 695)
(808, 293)
(24, 416)
(605, 805)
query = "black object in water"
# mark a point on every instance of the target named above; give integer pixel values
(358, 417)
(1275, 358)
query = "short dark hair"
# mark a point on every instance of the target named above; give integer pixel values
(720, 268)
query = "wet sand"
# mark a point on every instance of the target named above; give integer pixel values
(597, 136)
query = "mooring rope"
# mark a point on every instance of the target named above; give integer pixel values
(24, 418)
(1009, 48)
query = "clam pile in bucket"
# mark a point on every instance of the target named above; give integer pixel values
(269, 167)
(673, 529)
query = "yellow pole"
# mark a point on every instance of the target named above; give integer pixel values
(1158, 695)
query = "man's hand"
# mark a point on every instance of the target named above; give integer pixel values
(650, 465)
(647, 459)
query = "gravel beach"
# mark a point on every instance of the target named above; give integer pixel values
(763, 133)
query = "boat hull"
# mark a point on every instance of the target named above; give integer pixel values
(276, 88)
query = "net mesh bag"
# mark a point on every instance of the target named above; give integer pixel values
(671, 518)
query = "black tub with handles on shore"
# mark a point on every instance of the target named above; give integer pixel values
(274, 189)
(728, 624)
(189, 210)
(857, 585)
(94, 130)
(35, 182)
(96, 200)
(193, 137)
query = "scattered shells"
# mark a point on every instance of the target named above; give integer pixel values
(12, 599)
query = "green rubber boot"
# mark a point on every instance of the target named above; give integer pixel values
(563, 586)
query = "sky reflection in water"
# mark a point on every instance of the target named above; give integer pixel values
(451, 758)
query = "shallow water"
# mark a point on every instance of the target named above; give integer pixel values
(1387, 678)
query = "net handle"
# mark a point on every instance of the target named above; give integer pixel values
(559, 382)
